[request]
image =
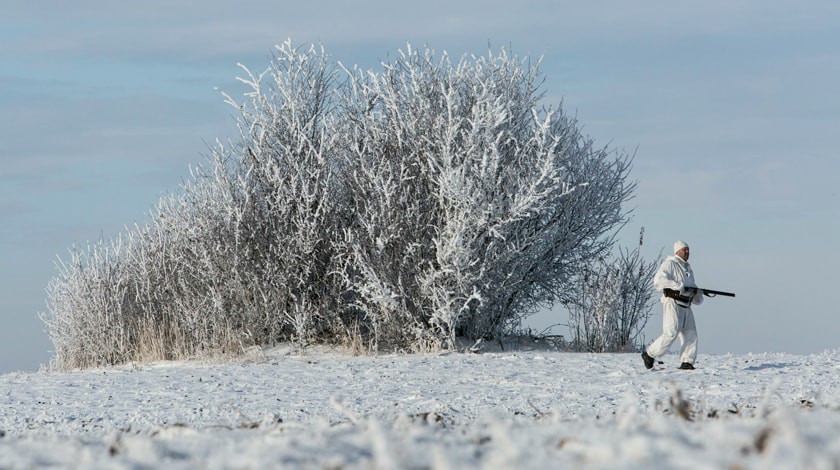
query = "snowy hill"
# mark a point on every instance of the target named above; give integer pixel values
(516, 409)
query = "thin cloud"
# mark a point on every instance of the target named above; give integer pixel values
(13, 207)
(201, 31)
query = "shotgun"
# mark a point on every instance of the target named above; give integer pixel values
(675, 294)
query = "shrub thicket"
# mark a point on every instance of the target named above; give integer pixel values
(615, 296)
(394, 209)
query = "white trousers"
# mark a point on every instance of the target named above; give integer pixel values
(676, 322)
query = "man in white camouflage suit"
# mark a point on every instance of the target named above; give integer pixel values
(675, 280)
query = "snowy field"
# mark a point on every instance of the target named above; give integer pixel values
(522, 408)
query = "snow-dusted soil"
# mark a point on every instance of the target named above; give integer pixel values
(515, 409)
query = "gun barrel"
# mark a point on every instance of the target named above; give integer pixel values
(712, 293)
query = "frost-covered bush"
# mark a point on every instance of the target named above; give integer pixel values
(614, 300)
(395, 209)
(472, 205)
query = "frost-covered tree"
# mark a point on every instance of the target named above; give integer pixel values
(614, 300)
(397, 208)
(473, 205)
(241, 256)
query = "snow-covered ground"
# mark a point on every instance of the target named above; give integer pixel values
(522, 408)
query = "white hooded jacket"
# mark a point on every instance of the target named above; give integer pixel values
(675, 273)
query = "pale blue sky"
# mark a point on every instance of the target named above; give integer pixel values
(732, 108)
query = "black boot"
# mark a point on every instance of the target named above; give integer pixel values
(648, 360)
(686, 366)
